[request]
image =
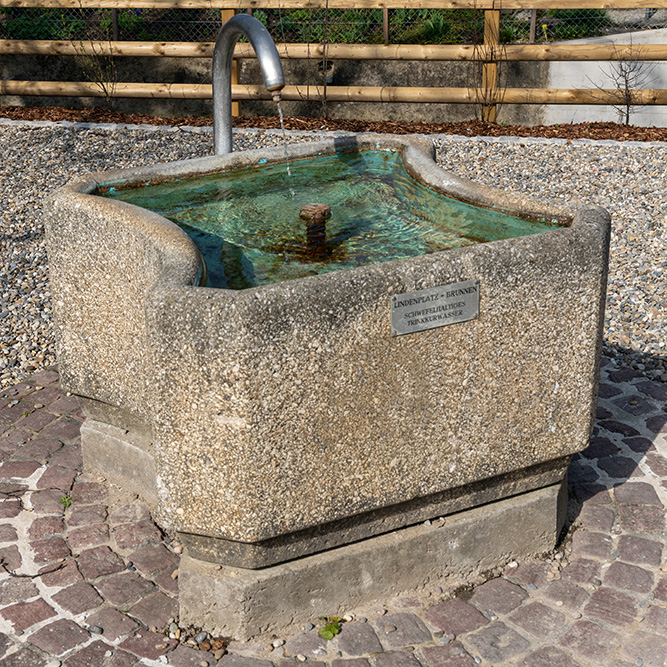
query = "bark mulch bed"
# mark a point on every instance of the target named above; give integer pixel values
(466, 128)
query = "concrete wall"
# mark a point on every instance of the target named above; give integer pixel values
(346, 73)
(400, 73)
(350, 73)
(140, 70)
(594, 74)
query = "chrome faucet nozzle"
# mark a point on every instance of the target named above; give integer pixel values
(269, 62)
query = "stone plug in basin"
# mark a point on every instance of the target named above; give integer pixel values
(298, 435)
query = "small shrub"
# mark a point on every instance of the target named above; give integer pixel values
(575, 23)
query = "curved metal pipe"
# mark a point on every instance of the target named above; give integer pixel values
(269, 62)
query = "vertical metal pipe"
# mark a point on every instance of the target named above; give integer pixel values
(269, 62)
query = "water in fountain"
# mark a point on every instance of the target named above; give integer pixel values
(247, 225)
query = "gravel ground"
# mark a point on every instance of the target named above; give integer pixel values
(629, 180)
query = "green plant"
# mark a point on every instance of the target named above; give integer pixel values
(66, 500)
(436, 28)
(575, 23)
(331, 627)
(98, 66)
(129, 20)
(37, 23)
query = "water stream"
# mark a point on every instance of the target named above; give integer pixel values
(282, 127)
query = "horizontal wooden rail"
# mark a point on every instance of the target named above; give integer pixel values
(340, 4)
(334, 93)
(436, 52)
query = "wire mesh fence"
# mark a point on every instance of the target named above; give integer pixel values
(346, 26)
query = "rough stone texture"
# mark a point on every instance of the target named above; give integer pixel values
(155, 610)
(24, 614)
(639, 550)
(496, 642)
(569, 594)
(538, 619)
(123, 588)
(112, 452)
(610, 606)
(455, 617)
(451, 655)
(549, 656)
(82, 516)
(50, 549)
(113, 623)
(153, 559)
(15, 590)
(89, 536)
(59, 637)
(463, 546)
(629, 577)
(175, 345)
(589, 640)
(148, 644)
(104, 655)
(78, 598)
(283, 547)
(133, 535)
(306, 643)
(184, 656)
(24, 658)
(360, 639)
(498, 596)
(99, 561)
(63, 574)
(650, 649)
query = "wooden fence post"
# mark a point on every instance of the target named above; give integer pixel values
(226, 14)
(533, 23)
(490, 67)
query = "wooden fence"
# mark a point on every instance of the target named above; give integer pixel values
(488, 54)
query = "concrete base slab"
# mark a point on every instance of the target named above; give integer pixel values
(369, 524)
(122, 457)
(245, 603)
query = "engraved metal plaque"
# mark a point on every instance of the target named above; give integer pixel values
(434, 307)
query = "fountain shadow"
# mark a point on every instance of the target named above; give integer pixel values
(630, 418)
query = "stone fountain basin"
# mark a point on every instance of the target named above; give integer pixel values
(282, 420)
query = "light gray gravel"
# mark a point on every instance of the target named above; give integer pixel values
(628, 180)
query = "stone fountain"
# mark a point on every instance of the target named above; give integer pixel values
(320, 442)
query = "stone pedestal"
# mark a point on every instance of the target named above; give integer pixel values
(455, 550)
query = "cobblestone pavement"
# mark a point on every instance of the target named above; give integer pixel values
(90, 580)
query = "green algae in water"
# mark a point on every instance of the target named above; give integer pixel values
(246, 223)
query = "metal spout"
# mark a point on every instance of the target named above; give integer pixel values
(269, 62)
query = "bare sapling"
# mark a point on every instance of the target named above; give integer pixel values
(94, 56)
(628, 75)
